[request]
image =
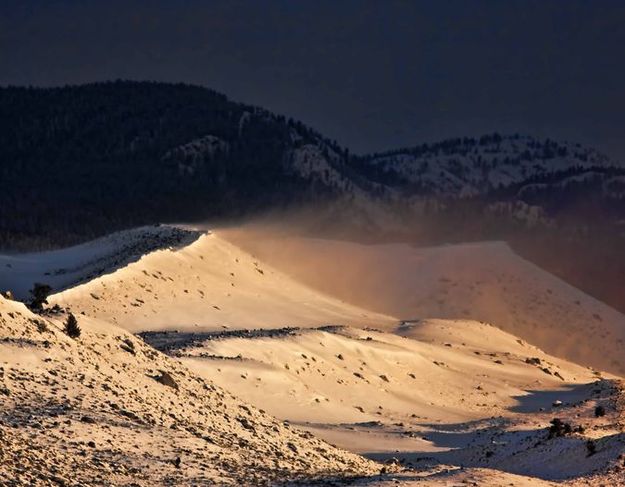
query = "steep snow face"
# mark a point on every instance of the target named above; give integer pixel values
(63, 268)
(320, 163)
(314, 160)
(467, 167)
(192, 155)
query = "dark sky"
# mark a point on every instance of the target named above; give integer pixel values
(372, 74)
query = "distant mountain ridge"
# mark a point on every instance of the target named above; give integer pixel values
(504, 174)
(81, 161)
(470, 166)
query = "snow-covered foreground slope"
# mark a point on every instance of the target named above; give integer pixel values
(70, 266)
(454, 400)
(97, 411)
(210, 284)
(432, 393)
(482, 281)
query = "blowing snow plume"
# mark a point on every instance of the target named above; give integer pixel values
(482, 280)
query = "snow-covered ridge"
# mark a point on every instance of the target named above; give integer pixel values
(192, 155)
(468, 166)
(66, 267)
(320, 163)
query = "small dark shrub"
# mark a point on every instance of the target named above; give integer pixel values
(40, 294)
(599, 411)
(128, 346)
(166, 379)
(559, 428)
(42, 327)
(591, 446)
(71, 326)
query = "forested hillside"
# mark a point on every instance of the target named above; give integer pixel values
(80, 161)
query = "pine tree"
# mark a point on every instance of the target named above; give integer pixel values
(40, 294)
(71, 326)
